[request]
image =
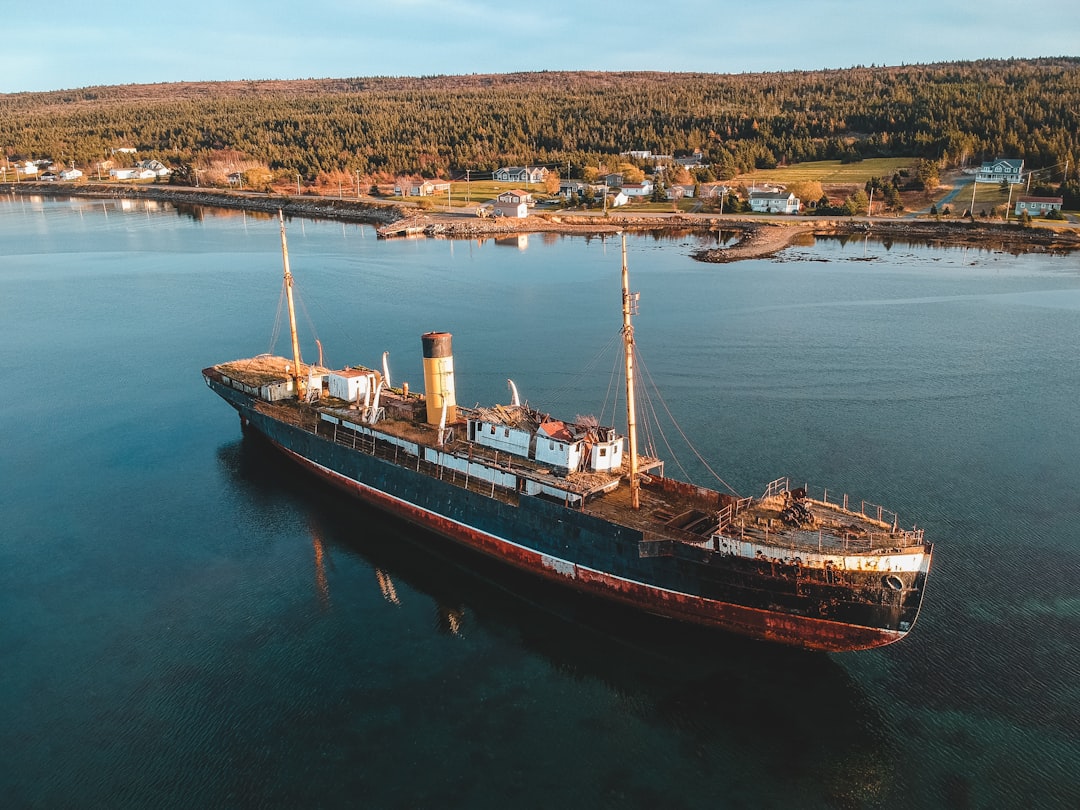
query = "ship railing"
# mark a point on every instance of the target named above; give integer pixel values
(726, 516)
(777, 487)
(844, 503)
(824, 541)
(380, 448)
(861, 509)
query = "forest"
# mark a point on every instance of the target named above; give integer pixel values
(444, 126)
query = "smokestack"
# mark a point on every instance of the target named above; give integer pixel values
(439, 377)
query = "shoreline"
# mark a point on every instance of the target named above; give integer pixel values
(759, 237)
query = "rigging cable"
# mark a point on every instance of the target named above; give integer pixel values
(277, 320)
(685, 439)
(556, 396)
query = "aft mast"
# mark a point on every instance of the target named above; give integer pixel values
(630, 308)
(292, 311)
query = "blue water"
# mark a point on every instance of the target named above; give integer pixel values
(187, 621)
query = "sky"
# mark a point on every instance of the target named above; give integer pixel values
(73, 44)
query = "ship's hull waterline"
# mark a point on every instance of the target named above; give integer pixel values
(763, 599)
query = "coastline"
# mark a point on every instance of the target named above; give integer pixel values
(758, 237)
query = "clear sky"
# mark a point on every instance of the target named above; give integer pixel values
(67, 44)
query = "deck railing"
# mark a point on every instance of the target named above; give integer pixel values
(866, 510)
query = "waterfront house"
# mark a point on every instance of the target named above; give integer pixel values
(1038, 206)
(774, 202)
(421, 188)
(513, 203)
(638, 190)
(995, 171)
(617, 199)
(158, 168)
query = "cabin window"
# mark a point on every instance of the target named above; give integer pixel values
(603, 451)
(551, 445)
(506, 433)
(492, 430)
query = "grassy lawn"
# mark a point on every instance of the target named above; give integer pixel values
(477, 192)
(829, 171)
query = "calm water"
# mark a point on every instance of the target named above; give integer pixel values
(188, 621)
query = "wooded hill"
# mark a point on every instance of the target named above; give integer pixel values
(445, 125)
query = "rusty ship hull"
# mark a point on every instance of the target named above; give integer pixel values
(780, 597)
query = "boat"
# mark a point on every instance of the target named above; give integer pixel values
(578, 504)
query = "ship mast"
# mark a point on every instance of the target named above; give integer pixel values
(629, 307)
(292, 311)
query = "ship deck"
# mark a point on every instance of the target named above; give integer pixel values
(669, 510)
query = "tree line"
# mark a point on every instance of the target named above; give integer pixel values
(442, 126)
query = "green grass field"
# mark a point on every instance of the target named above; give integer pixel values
(829, 171)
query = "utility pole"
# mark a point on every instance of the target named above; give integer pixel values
(467, 187)
(358, 184)
(298, 184)
(971, 208)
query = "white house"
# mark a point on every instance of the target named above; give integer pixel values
(132, 173)
(638, 190)
(1038, 206)
(513, 203)
(70, 174)
(520, 174)
(774, 202)
(618, 199)
(1007, 169)
(156, 166)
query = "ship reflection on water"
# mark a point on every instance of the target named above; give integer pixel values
(755, 706)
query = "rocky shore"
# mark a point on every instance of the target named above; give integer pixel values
(756, 237)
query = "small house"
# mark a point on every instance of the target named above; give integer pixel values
(1038, 206)
(513, 203)
(617, 199)
(158, 168)
(638, 190)
(774, 202)
(568, 188)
